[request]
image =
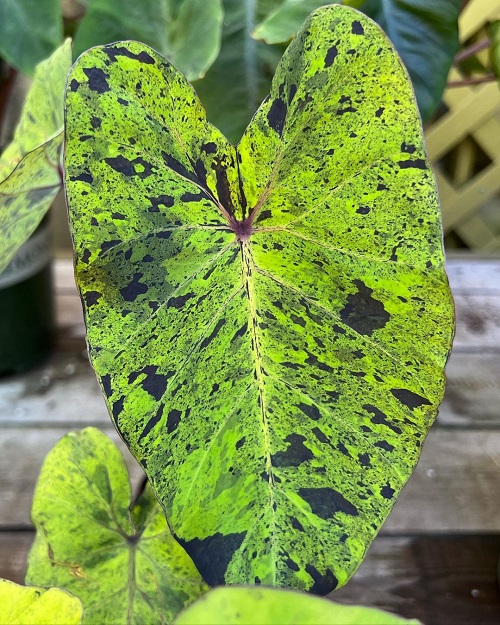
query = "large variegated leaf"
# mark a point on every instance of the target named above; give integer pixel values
(121, 561)
(269, 323)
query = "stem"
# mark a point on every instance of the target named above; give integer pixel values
(472, 81)
(471, 50)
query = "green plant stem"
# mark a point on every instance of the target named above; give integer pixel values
(472, 81)
(471, 50)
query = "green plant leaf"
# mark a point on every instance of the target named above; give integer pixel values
(42, 116)
(268, 606)
(187, 32)
(241, 76)
(27, 605)
(29, 166)
(29, 31)
(123, 564)
(425, 33)
(282, 24)
(269, 323)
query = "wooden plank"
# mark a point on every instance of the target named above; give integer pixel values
(472, 274)
(14, 550)
(441, 580)
(478, 323)
(472, 390)
(62, 392)
(454, 487)
(22, 451)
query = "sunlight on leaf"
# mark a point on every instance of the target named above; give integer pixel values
(28, 605)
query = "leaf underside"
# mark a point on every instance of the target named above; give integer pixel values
(122, 562)
(269, 323)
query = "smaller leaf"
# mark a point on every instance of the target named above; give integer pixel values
(268, 606)
(282, 24)
(42, 116)
(187, 32)
(29, 166)
(26, 195)
(123, 563)
(28, 605)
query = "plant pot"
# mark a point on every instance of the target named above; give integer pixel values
(26, 305)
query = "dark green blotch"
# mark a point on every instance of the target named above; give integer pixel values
(106, 384)
(410, 399)
(135, 288)
(379, 418)
(85, 177)
(207, 340)
(213, 554)
(115, 51)
(327, 502)
(151, 423)
(107, 245)
(357, 28)
(292, 565)
(240, 443)
(294, 455)
(98, 81)
(178, 302)
(154, 383)
(418, 163)
(320, 435)
(74, 84)
(310, 411)
(362, 312)
(173, 420)
(91, 298)
(209, 148)
(277, 115)
(193, 197)
(331, 55)
(162, 200)
(323, 582)
(123, 166)
(387, 492)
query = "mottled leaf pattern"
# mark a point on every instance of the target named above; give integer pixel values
(29, 166)
(269, 323)
(269, 606)
(28, 605)
(122, 563)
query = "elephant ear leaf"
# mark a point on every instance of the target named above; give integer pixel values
(269, 323)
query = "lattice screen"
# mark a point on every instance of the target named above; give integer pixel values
(464, 147)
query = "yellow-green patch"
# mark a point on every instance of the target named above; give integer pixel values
(120, 560)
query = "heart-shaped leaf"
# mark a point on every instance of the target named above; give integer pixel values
(269, 323)
(123, 564)
(28, 605)
(268, 606)
(29, 166)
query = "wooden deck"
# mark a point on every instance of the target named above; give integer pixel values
(436, 557)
